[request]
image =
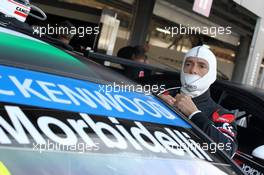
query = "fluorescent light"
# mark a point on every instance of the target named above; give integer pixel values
(163, 30)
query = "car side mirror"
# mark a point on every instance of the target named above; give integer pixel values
(259, 152)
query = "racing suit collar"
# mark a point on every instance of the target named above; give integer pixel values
(205, 103)
(202, 98)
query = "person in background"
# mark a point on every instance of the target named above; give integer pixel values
(198, 72)
(138, 54)
(65, 36)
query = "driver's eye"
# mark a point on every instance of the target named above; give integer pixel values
(187, 64)
(202, 66)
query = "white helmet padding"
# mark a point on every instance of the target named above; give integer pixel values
(259, 152)
(194, 85)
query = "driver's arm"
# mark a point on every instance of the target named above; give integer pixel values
(221, 128)
(168, 99)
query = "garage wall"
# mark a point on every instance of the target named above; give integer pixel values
(255, 6)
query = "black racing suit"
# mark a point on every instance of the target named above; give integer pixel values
(217, 122)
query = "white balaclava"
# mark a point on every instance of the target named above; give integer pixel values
(195, 85)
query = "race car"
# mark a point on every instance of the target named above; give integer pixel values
(61, 114)
(247, 103)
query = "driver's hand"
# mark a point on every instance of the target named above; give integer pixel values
(185, 104)
(168, 98)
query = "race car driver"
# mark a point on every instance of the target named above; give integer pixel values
(199, 70)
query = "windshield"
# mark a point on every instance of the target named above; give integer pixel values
(53, 163)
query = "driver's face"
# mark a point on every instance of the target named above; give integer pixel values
(196, 66)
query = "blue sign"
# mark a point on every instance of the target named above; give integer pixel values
(44, 90)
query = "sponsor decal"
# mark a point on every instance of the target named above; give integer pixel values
(249, 164)
(227, 128)
(225, 118)
(27, 126)
(250, 171)
(49, 91)
(21, 12)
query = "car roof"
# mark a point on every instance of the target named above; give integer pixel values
(250, 90)
(21, 50)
